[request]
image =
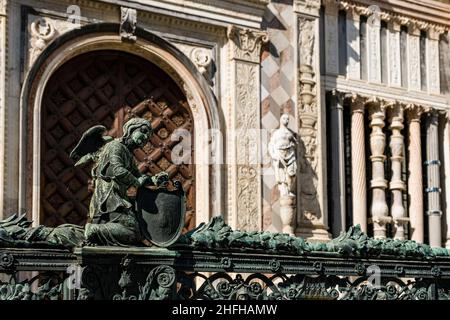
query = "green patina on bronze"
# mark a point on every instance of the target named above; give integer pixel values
(112, 217)
(217, 235)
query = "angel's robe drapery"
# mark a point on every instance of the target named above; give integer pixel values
(114, 173)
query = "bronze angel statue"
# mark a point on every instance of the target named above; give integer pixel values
(112, 220)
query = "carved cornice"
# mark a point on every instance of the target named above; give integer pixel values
(246, 43)
(355, 9)
(360, 101)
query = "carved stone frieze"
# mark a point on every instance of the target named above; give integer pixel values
(247, 120)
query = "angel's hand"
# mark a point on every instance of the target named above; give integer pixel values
(160, 179)
(144, 180)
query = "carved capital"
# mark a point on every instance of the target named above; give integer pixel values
(310, 7)
(352, 12)
(413, 112)
(414, 27)
(434, 32)
(337, 98)
(331, 7)
(128, 21)
(357, 102)
(396, 115)
(394, 24)
(246, 43)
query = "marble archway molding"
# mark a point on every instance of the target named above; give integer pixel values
(148, 46)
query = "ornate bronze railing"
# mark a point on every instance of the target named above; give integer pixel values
(215, 262)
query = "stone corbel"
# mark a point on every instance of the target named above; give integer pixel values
(128, 22)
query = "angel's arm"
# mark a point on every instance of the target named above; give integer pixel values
(120, 173)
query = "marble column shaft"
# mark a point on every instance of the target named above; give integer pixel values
(433, 189)
(446, 157)
(415, 185)
(337, 162)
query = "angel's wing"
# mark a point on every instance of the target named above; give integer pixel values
(91, 141)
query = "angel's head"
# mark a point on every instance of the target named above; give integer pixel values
(136, 133)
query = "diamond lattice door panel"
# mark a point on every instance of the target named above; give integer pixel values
(108, 88)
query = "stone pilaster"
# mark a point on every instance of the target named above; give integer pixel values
(337, 162)
(415, 185)
(374, 47)
(3, 145)
(311, 189)
(379, 209)
(394, 66)
(245, 206)
(433, 68)
(331, 37)
(396, 185)
(353, 44)
(359, 185)
(414, 57)
(433, 189)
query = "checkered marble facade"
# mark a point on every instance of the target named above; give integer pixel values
(278, 67)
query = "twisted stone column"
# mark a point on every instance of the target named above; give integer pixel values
(359, 186)
(379, 208)
(397, 186)
(433, 189)
(415, 187)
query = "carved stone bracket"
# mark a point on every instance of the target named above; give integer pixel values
(128, 21)
(42, 31)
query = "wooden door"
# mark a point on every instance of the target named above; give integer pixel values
(108, 88)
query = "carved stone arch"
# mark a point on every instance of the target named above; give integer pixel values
(105, 36)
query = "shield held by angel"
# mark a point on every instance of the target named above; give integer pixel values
(112, 220)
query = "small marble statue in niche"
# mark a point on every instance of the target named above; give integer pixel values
(283, 151)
